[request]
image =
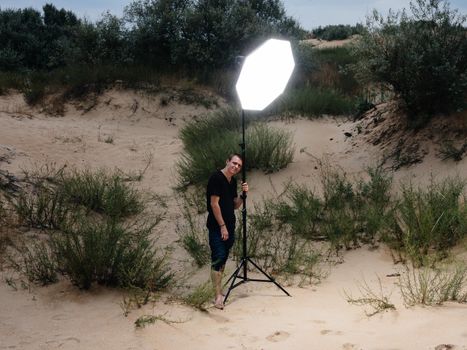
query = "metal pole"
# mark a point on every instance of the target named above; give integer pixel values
(245, 269)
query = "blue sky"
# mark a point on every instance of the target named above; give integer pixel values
(309, 13)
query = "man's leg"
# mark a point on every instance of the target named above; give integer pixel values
(218, 258)
(216, 277)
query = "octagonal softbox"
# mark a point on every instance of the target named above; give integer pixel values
(265, 73)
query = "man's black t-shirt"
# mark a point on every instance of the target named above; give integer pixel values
(219, 186)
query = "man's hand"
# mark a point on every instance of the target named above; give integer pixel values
(244, 187)
(224, 233)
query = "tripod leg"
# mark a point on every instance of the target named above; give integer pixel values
(233, 278)
(269, 277)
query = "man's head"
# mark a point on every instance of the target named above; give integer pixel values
(234, 164)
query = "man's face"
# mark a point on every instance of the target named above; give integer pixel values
(234, 165)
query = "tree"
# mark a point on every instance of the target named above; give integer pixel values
(423, 57)
(158, 28)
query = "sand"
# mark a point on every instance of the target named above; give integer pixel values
(139, 131)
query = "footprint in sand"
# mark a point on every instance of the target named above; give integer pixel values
(328, 331)
(348, 346)
(445, 347)
(278, 336)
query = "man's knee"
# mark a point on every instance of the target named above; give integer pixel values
(219, 263)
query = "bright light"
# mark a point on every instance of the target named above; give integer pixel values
(265, 74)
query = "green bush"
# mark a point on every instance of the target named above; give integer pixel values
(337, 32)
(191, 229)
(422, 56)
(316, 102)
(300, 209)
(208, 142)
(276, 249)
(431, 220)
(36, 262)
(102, 192)
(44, 207)
(347, 214)
(109, 253)
(269, 149)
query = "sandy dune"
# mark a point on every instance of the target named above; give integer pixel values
(128, 131)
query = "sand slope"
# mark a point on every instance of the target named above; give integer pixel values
(258, 316)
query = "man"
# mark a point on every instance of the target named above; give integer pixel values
(222, 200)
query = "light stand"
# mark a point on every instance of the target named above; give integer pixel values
(243, 264)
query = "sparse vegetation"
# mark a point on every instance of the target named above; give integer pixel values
(378, 301)
(431, 220)
(435, 286)
(200, 296)
(448, 150)
(316, 102)
(269, 149)
(146, 320)
(93, 240)
(191, 229)
(135, 299)
(36, 262)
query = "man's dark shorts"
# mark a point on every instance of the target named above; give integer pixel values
(220, 249)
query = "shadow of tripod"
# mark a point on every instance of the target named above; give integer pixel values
(241, 272)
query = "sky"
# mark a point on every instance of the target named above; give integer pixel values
(309, 13)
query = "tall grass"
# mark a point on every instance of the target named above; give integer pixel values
(52, 198)
(36, 262)
(314, 102)
(348, 212)
(93, 240)
(102, 192)
(275, 248)
(192, 229)
(110, 253)
(301, 209)
(44, 207)
(431, 220)
(427, 286)
(209, 141)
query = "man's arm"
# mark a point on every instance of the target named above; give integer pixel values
(216, 210)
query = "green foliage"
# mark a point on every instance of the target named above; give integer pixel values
(334, 72)
(448, 150)
(109, 253)
(183, 35)
(36, 262)
(101, 192)
(422, 56)
(337, 32)
(50, 203)
(43, 208)
(90, 245)
(301, 209)
(192, 230)
(269, 149)
(434, 286)
(208, 142)
(378, 301)
(35, 41)
(278, 250)
(431, 220)
(310, 101)
(200, 296)
(347, 213)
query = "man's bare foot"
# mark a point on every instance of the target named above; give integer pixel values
(219, 302)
